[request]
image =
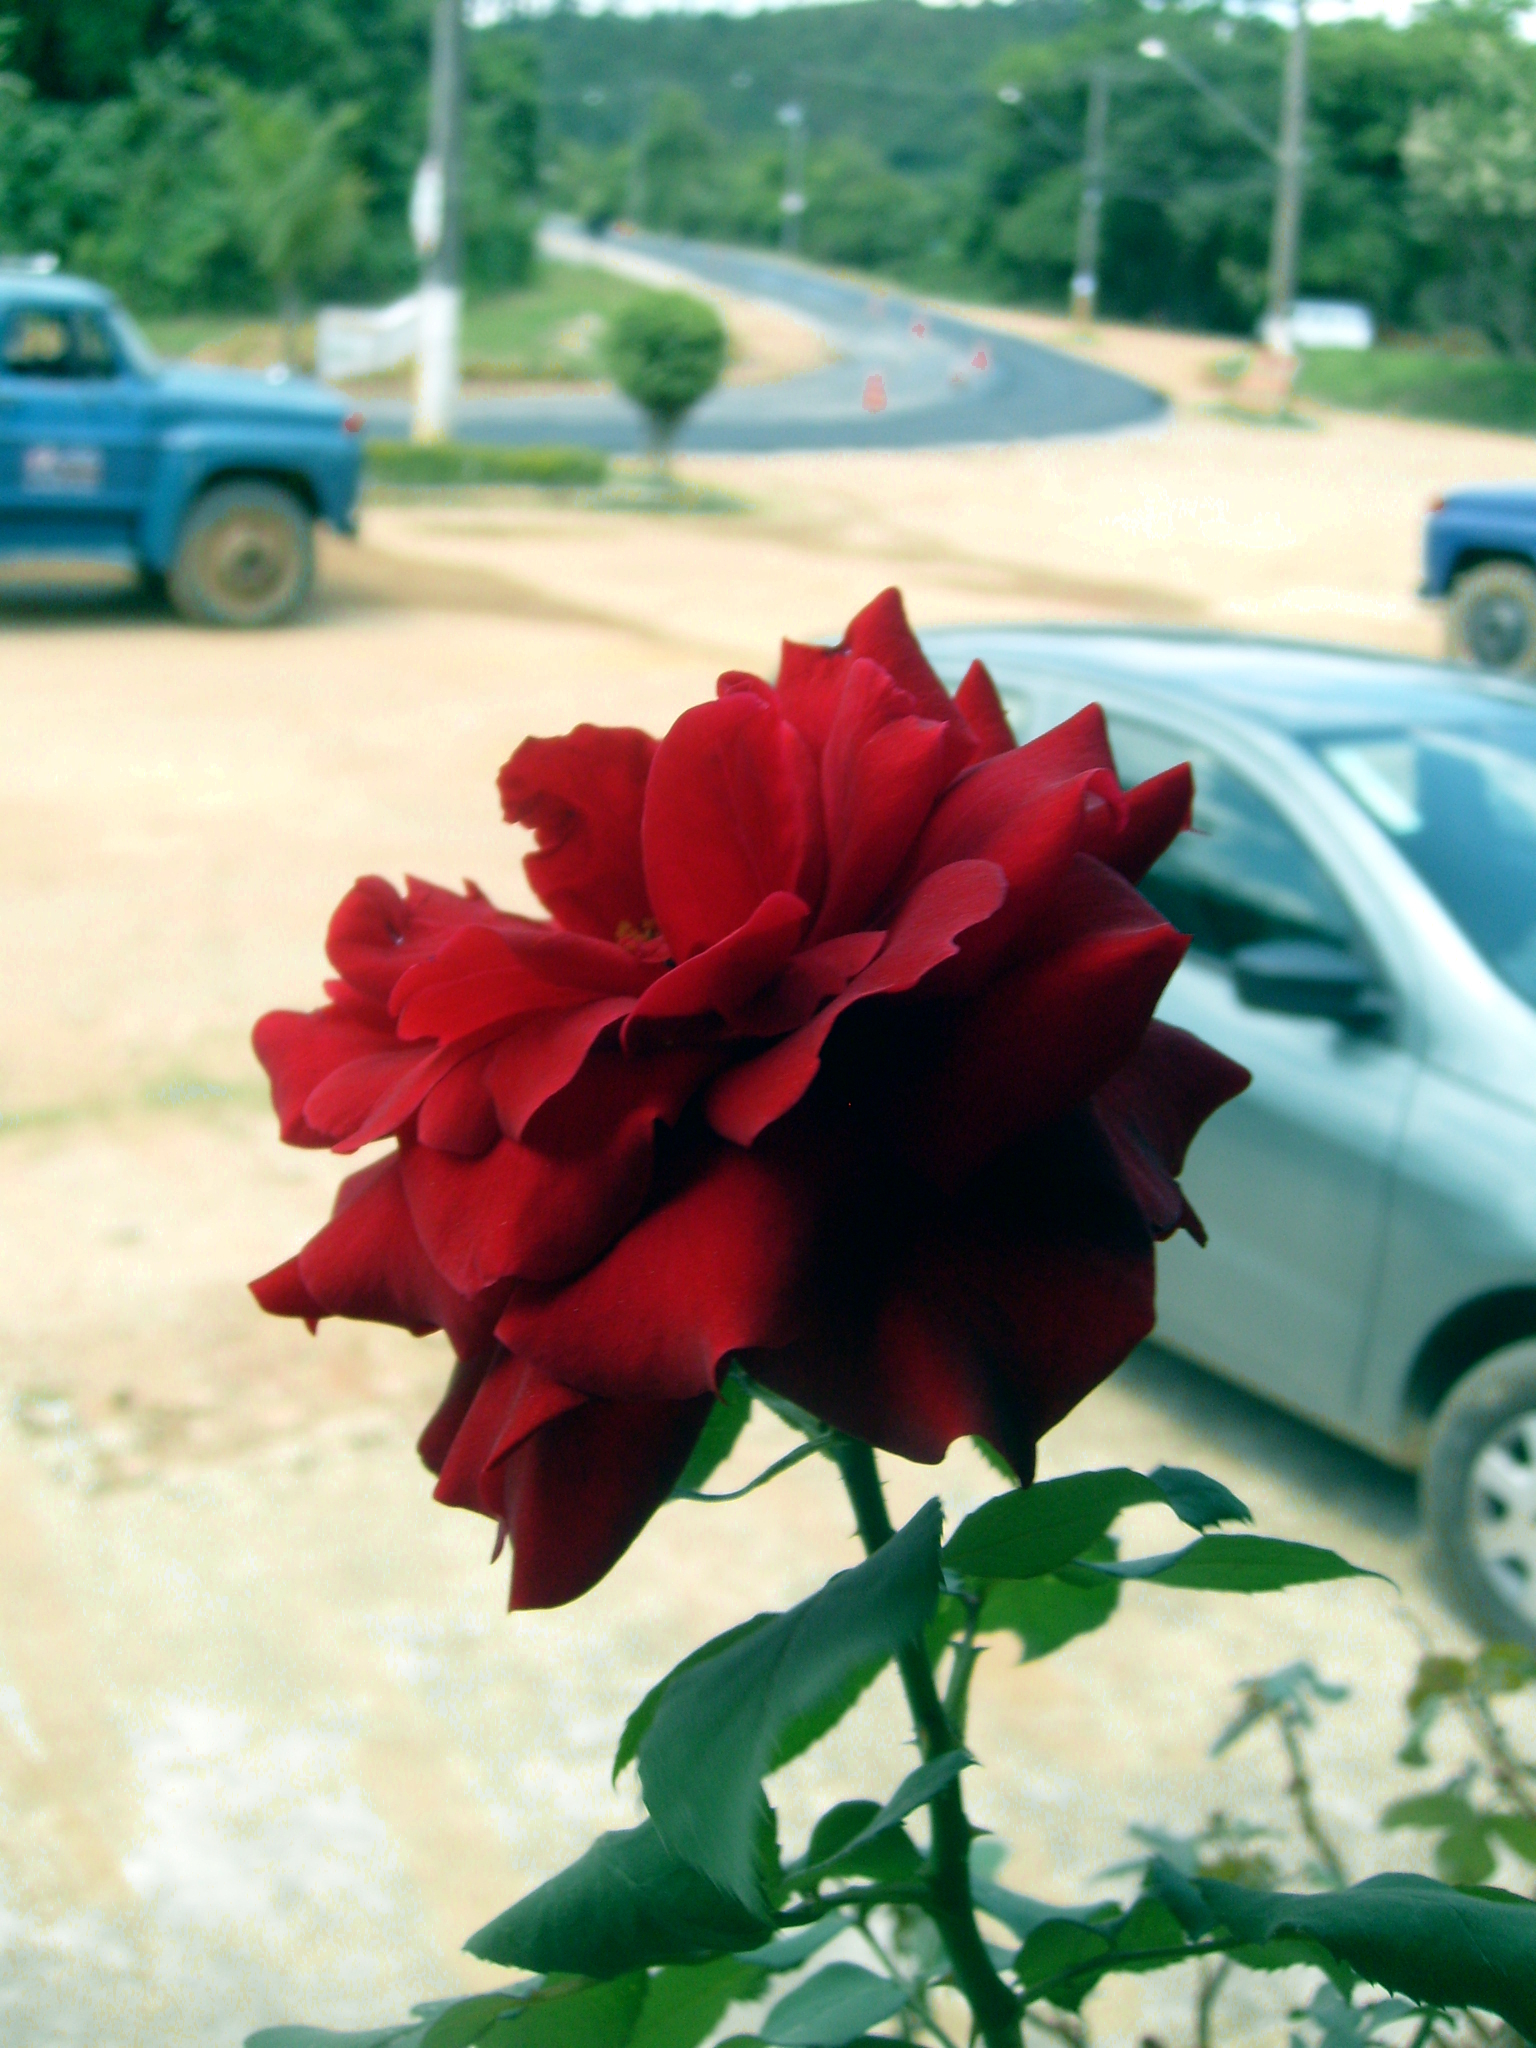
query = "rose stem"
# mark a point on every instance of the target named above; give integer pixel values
(949, 1880)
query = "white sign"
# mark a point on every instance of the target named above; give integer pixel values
(1331, 323)
(65, 470)
(358, 341)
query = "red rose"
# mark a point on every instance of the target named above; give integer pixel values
(836, 1055)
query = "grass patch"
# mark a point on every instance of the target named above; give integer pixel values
(1424, 384)
(461, 462)
(550, 330)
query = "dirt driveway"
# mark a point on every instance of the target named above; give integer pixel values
(269, 1747)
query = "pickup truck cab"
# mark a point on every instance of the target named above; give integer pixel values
(1480, 554)
(207, 480)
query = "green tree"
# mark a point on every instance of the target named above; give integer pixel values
(501, 159)
(1471, 161)
(665, 351)
(297, 199)
(677, 162)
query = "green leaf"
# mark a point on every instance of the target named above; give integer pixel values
(789, 1951)
(727, 1419)
(683, 2003)
(626, 1903)
(641, 1719)
(325, 2037)
(589, 2016)
(1449, 1808)
(915, 1790)
(1046, 1612)
(1517, 1833)
(721, 1726)
(808, 1728)
(1197, 1499)
(834, 2007)
(466, 2020)
(1412, 1935)
(841, 1845)
(1020, 1535)
(1238, 1564)
(1145, 1937)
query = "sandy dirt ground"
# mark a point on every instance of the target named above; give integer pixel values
(269, 1747)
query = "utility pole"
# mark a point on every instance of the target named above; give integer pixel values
(436, 223)
(1290, 161)
(792, 200)
(1085, 274)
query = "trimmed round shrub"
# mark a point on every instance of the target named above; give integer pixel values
(665, 350)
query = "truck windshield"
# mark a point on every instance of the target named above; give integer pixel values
(130, 339)
(1459, 803)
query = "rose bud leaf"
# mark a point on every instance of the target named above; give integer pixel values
(1047, 1612)
(626, 1904)
(839, 2004)
(721, 1727)
(1197, 1499)
(727, 1419)
(1023, 1534)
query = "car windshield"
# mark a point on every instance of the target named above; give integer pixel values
(1459, 803)
(130, 339)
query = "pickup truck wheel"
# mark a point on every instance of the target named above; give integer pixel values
(246, 556)
(1479, 1493)
(1492, 618)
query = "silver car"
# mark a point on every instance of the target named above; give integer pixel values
(1361, 895)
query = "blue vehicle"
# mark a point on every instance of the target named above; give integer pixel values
(1360, 895)
(208, 481)
(1480, 554)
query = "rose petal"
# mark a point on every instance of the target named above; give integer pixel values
(725, 977)
(746, 1099)
(368, 1264)
(708, 1272)
(881, 772)
(731, 817)
(1044, 1036)
(1150, 1110)
(978, 702)
(543, 1054)
(582, 796)
(377, 933)
(299, 1051)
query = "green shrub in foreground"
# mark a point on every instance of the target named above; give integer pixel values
(459, 462)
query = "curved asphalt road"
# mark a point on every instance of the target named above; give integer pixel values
(937, 393)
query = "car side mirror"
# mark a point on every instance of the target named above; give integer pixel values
(1307, 978)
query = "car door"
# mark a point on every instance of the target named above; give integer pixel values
(1293, 1180)
(75, 434)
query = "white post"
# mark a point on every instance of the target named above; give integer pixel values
(435, 221)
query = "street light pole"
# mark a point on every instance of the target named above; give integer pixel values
(1290, 159)
(437, 226)
(1085, 273)
(792, 201)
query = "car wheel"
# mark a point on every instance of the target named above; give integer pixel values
(1479, 1493)
(246, 556)
(1492, 618)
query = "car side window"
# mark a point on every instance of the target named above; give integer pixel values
(51, 342)
(1242, 874)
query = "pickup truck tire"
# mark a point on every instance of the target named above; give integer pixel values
(1492, 618)
(1479, 1494)
(246, 556)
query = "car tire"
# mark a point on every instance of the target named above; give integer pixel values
(1492, 618)
(1479, 1494)
(246, 556)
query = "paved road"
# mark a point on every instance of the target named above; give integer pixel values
(946, 382)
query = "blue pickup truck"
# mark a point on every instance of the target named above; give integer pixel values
(1480, 555)
(208, 481)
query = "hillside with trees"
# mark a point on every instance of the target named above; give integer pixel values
(257, 154)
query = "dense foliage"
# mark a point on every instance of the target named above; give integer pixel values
(250, 154)
(943, 144)
(946, 144)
